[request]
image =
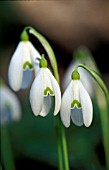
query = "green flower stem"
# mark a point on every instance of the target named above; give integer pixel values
(104, 122)
(0, 166)
(6, 151)
(104, 109)
(105, 132)
(60, 153)
(62, 146)
(63, 159)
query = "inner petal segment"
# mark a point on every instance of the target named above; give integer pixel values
(27, 64)
(76, 116)
(75, 103)
(48, 91)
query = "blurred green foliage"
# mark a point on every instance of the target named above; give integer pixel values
(35, 138)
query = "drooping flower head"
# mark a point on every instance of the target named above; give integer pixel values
(9, 105)
(86, 79)
(76, 103)
(43, 88)
(22, 63)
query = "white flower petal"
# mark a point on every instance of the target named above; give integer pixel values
(86, 104)
(26, 53)
(57, 93)
(75, 90)
(87, 81)
(15, 73)
(27, 78)
(65, 110)
(76, 116)
(36, 67)
(8, 98)
(46, 106)
(37, 93)
(47, 78)
(33, 52)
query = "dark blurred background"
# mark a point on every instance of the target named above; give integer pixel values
(67, 25)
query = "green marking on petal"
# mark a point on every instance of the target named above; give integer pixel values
(48, 91)
(27, 64)
(77, 103)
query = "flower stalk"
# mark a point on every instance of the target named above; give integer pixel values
(104, 122)
(98, 80)
(6, 150)
(65, 151)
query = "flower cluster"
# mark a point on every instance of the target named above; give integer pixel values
(75, 102)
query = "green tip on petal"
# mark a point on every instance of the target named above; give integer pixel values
(27, 64)
(43, 62)
(77, 103)
(24, 36)
(75, 75)
(48, 91)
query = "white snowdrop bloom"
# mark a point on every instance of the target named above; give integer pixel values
(9, 105)
(22, 64)
(86, 79)
(43, 88)
(76, 103)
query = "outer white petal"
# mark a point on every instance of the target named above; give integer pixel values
(46, 77)
(36, 67)
(27, 78)
(33, 52)
(86, 104)
(57, 93)
(15, 73)
(87, 81)
(46, 106)
(75, 90)
(9, 98)
(26, 53)
(37, 93)
(65, 110)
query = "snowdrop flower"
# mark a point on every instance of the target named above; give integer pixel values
(86, 79)
(76, 103)
(22, 63)
(9, 105)
(43, 88)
